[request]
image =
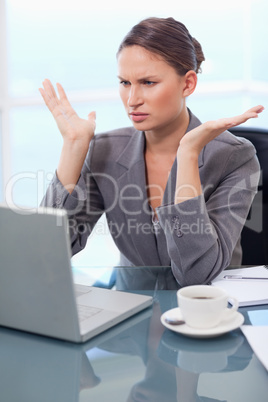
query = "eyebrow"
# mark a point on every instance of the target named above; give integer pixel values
(148, 78)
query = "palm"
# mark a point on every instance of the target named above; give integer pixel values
(71, 126)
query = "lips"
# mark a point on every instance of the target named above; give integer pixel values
(138, 117)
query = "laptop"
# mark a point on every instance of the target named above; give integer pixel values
(37, 292)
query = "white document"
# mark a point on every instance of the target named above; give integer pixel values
(257, 338)
(248, 285)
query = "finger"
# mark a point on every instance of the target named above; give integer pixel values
(43, 94)
(46, 98)
(62, 94)
(256, 109)
(49, 89)
(49, 95)
(252, 113)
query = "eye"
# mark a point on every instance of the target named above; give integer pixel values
(125, 83)
(149, 83)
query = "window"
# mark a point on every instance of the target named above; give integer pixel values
(76, 42)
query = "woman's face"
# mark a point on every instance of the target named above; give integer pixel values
(152, 92)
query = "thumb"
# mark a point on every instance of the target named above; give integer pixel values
(92, 118)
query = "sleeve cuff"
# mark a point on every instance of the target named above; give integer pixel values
(62, 198)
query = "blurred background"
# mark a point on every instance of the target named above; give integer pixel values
(75, 43)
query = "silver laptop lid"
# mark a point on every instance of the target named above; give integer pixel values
(32, 265)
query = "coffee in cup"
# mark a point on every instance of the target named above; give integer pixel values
(205, 306)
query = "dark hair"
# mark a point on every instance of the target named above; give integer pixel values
(169, 39)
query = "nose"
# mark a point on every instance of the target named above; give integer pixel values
(134, 96)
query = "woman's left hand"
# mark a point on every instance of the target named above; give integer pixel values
(197, 138)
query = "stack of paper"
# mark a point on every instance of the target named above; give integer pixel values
(248, 285)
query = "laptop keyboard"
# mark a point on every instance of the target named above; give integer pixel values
(81, 289)
(85, 312)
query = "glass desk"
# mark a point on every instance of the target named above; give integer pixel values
(137, 360)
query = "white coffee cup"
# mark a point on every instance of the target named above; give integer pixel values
(204, 306)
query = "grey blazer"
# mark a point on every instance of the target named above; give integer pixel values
(197, 238)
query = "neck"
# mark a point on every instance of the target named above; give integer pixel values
(167, 139)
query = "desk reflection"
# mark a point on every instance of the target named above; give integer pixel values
(34, 368)
(173, 362)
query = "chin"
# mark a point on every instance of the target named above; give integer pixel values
(142, 126)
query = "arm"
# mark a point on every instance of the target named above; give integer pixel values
(73, 182)
(203, 227)
(84, 206)
(76, 133)
(202, 232)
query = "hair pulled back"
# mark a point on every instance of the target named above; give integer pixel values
(168, 38)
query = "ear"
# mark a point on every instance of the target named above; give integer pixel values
(190, 81)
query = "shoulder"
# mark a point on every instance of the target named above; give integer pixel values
(113, 142)
(228, 139)
(109, 147)
(232, 145)
(230, 153)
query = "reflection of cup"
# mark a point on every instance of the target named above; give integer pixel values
(204, 306)
(202, 355)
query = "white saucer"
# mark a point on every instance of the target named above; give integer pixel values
(234, 322)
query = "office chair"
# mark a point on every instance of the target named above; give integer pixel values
(254, 237)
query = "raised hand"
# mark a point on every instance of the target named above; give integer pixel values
(197, 138)
(76, 132)
(71, 126)
(188, 183)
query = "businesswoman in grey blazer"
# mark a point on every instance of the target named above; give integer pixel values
(175, 192)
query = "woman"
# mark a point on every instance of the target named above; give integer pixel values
(175, 192)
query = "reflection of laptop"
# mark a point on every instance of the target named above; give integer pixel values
(52, 370)
(37, 293)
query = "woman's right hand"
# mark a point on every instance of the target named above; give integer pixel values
(71, 126)
(76, 132)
